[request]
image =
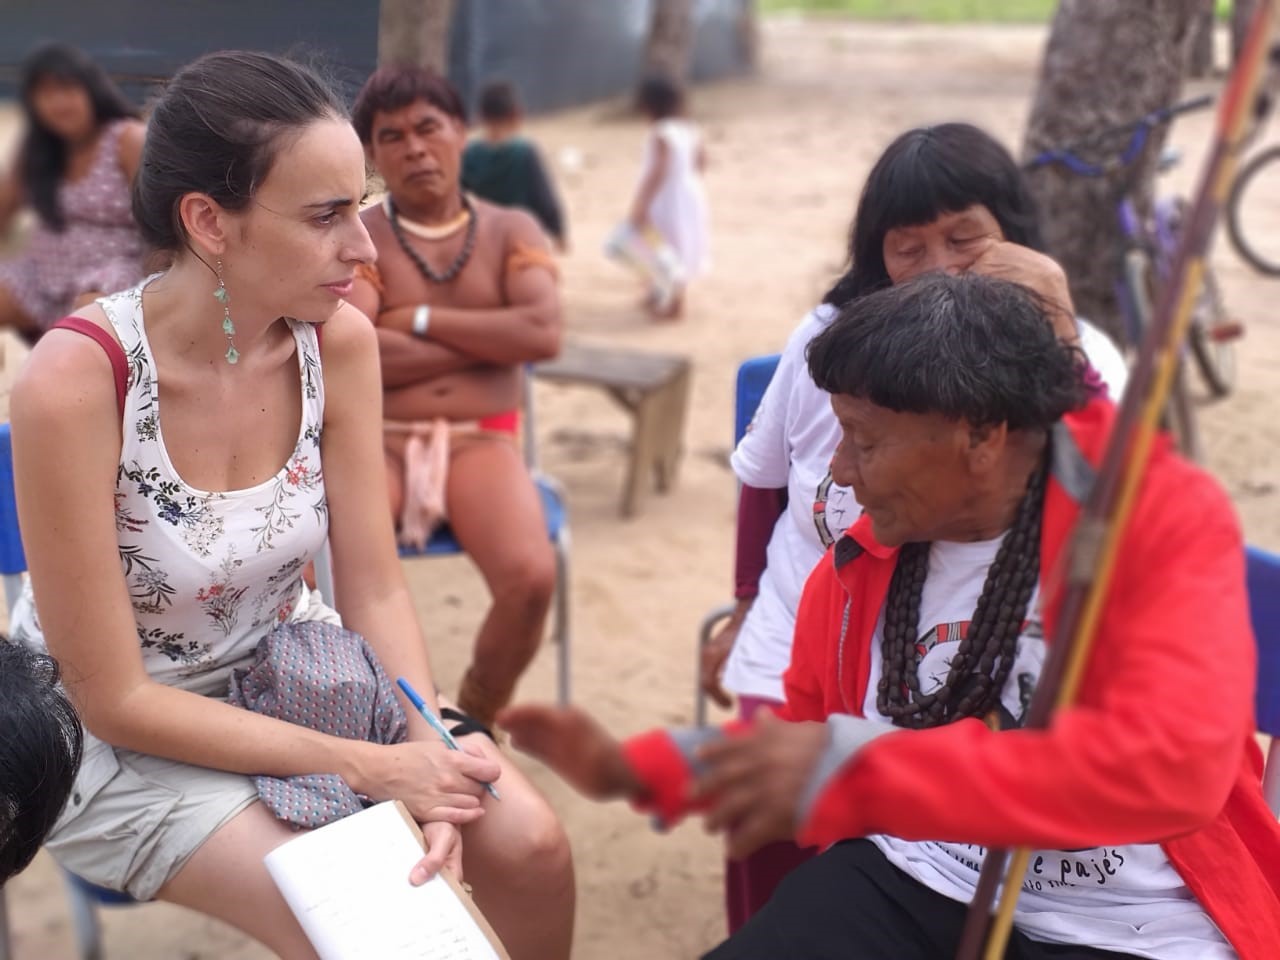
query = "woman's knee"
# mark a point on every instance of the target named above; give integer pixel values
(538, 838)
(519, 832)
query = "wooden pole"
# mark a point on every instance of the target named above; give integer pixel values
(1094, 545)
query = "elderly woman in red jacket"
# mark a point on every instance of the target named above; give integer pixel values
(968, 440)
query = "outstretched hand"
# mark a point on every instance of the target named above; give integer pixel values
(755, 780)
(575, 746)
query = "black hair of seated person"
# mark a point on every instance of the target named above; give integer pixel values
(39, 753)
(969, 347)
(924, 173)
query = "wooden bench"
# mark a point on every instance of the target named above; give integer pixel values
(653, 388)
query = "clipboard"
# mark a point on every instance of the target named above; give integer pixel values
(348, 885)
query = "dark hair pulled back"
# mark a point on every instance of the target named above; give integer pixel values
(217, 129)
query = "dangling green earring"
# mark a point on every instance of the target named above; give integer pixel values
(229, 328)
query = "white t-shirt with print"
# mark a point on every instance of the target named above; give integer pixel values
(1125, 898)
(789, 444)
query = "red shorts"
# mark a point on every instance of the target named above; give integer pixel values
(507, 422)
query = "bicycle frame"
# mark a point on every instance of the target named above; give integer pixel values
(1149, 243)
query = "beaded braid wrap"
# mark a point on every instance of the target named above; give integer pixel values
(985, 655)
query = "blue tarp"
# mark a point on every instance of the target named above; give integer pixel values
(141, 40)
(559, 52)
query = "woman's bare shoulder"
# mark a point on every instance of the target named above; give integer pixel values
(67, 375)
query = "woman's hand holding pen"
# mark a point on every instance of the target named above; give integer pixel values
(434, 782)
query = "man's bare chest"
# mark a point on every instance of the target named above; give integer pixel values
(478, 283)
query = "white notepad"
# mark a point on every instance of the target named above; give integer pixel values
(348, 885)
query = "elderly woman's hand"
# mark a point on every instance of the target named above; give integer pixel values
(755, 780)
(1039, 272)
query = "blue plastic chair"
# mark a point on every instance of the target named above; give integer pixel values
(1264, 609)
(753, 379)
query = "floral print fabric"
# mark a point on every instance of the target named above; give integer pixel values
(210, 574)
(99, 249)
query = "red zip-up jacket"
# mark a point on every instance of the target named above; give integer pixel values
(1158, 746)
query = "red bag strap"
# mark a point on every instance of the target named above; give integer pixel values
(113, 350)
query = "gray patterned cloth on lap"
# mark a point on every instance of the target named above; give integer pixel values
(326, 678)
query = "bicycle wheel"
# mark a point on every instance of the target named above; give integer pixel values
(1212, 339)
(1253, 210)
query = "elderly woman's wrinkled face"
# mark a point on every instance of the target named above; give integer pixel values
(950, 242)
(910, 472)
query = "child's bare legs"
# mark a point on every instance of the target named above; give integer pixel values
(496, 514)
(226, 879)
(518, 862)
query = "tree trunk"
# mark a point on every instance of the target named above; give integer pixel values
(1202, 43)
(669, 47)
(415, 32)
(749, 34)
(1242, 12)
(1105, 64)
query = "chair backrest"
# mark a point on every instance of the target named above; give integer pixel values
(528, 428)
(12, 560)
(753, 379)
(1264, 610)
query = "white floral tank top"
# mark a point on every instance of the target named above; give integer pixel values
(210, 574)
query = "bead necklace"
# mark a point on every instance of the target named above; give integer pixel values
(460, 261)
(427, 231)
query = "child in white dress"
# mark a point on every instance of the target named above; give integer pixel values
(665, 235)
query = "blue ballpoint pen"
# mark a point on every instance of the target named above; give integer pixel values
(437, 725)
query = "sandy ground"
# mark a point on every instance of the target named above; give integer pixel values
(789, 150)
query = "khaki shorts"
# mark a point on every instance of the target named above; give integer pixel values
(134, 820)
(140, 827)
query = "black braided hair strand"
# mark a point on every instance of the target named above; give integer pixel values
(985, 656)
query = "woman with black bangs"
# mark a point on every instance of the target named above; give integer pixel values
(75, 168)
(944, 198)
